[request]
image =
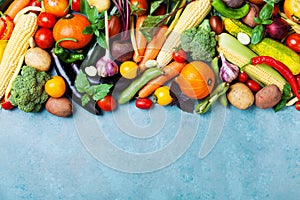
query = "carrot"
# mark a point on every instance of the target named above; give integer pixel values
(141, 41)
(154, 46)
(170, 71)
(15, 7)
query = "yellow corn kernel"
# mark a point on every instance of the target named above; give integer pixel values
(192, 15)
(16, 48)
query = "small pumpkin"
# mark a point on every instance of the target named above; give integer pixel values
(196, 80)
(72, 26)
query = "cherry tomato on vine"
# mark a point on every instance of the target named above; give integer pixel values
(75, 5)
(162, 96)
(253, 85)
(46, 20)
(143, 103)
(297, 105)
(44, 38)
(179, 56)
(108, 103)
(139, 7)
(243, 77)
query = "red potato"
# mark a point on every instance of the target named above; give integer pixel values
(61, 107)
(267, 97)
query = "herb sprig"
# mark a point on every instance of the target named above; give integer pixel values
(89, 91)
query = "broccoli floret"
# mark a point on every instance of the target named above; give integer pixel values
(200, 42)
(28, 89)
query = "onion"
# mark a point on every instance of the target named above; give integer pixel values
(278, 29)
(228, 71)
(105, 65)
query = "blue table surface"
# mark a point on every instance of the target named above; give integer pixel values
(122, 155)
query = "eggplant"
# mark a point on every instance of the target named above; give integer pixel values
(69, 74)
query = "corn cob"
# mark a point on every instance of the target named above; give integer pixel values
(267, 47)
(192, 15)
(240, 55)
(16, 48)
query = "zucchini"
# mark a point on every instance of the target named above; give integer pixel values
(267, 47)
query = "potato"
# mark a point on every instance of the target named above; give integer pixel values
(267, 97)
(61, 107)
(38, 58)
(240, 96)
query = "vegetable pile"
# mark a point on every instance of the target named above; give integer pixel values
(185, 53)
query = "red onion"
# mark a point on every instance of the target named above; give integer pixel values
(228, 71)
(278, 29)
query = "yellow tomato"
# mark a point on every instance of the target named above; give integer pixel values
(55, 87)
(162, 96)
(129, 69)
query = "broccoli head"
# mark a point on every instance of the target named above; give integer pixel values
(28, 91)
(200, 42)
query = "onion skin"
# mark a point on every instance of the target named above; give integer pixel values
(278, 29)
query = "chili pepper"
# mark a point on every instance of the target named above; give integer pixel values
(69, 77)
(6, 26)
(63, 55)
(281, 68)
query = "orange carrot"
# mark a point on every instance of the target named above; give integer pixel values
(154, 46)
(15, 7)
(141, 41)
(170, 71)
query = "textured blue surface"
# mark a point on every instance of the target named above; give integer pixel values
(256, 157)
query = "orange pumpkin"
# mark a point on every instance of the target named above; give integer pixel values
(72, 26)
(291, 9)
(196, 80)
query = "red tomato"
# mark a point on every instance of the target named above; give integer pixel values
(243, 77)
(35, 3)
(6, 105)
(293, 41)
(143, 103)
(75, 5)
(139, 7)
(44, 38)
(46, 20)
(108, 103)
(114, 25)
(59, 8)
(297, 105)
(179, 56)
(253, 85)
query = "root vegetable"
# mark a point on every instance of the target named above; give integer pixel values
(267, 97)
(240, 96)
(38, 58)
(234, 3)
(61, 107)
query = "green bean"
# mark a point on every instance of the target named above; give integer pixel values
(127, 94)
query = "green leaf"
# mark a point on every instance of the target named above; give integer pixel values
(81, 82)
(101, 91)
(286, 95)
(155, 5)
(85, 99)
(150, 26)
(266, 11)
(93, 15)
(101, 40)
(266, 22)
(88, 30)
(257, 34)
(257, 20)
(84, 7)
